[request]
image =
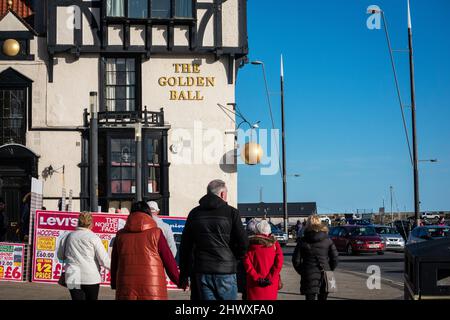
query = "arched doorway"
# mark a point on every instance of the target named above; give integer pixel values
(18, 165)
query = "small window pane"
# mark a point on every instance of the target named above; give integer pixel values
(137, 9)
(183, 8)
(160, 8)
(115, 8)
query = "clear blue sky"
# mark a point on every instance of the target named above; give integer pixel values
(343, 123)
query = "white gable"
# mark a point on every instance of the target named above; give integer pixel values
(11, 23)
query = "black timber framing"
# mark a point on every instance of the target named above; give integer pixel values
(196, 32)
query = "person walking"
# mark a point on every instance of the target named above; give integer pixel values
(139, 257)
(442, 222)
(166, 229)
(315, 253)
(263, 263)
(83, 253)
(215, 239)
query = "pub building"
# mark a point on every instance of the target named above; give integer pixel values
(142, 71)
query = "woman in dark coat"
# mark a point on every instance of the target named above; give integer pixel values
(313, 250)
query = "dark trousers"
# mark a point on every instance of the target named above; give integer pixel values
(320, 296)
(85, 292)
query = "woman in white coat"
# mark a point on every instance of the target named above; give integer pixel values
(83, 253)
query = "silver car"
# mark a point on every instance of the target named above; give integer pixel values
(392, 238)
(426, 233)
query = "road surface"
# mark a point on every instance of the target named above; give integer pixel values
(391, 263)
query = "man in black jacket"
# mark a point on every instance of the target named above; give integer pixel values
(213, 239)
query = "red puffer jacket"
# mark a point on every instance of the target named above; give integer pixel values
(264, 259)
(140, 255)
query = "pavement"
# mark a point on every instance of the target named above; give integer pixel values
(351, 283)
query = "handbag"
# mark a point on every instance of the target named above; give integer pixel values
(62, 278)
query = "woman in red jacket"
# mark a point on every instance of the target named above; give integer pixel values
(263, 263)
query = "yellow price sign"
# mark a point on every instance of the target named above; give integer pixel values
(46, 243)
(43, 269)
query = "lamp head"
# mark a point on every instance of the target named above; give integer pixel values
(256, 62)
(373, 9)
(256, 125)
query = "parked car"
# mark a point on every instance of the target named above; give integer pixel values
(403, 227)
(426, 233)
(326, 220)
(280, 235)
(392, 238)
(360, 222)
(430, 216)
(357, 239)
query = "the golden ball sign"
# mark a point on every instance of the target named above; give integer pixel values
(11, 47)
(187, 82)
(252, 153)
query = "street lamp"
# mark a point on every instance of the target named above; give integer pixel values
(283, 136)
(93, 141)
(414, 153)
(429, 160)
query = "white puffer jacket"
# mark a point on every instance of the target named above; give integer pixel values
(83, 256)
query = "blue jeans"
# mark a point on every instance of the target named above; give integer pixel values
(217, 286)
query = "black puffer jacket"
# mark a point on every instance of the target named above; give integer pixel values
(314, 244)
(214, 237)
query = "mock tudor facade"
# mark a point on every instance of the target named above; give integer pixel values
(162, 64)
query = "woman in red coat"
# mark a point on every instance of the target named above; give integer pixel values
(263, 263)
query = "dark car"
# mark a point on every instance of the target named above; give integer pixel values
(280, 235)
(354, 239)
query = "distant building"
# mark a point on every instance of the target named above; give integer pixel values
(275, 210)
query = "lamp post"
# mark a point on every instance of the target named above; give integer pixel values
(93, 140)
(414, 155)
(138, 168)
(283, 135)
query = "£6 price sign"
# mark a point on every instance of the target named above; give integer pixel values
(11, 261)
(52, 227)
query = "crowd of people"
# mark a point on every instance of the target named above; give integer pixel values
(216, 252)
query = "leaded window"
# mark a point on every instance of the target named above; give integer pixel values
(120, 84)
(160, 9)
(122, 166)
(12, 115)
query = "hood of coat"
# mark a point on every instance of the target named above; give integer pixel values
(260, 239)
(211, 201)
(139, 222)
(312, 236)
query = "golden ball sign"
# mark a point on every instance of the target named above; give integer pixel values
(11, 47)
(252, 153)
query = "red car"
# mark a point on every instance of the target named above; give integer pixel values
(357, 239)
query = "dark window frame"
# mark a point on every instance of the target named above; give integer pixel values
(10, 79)
(162, 195)
(137, 80)
(172, 16)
